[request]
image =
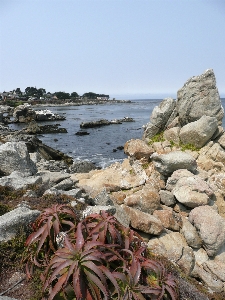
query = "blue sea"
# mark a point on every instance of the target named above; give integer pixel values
(101, 145)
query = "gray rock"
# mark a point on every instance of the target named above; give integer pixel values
(216, 267)
(47, 115)
(173, 120)
(210, 226)
(191, 235)
(199, 96)
(7, 298)
(167, 198)
(166, 164)
(160, 116)
(30, 194)
(121, 216)
(52, 191)
(192, 191)
(177, 175)
(221, 141)
(98, 208)
(146, 200)
(15, 157)
(161, 113)
(35, 157)
(174, 246)
(53, 178)
(198, 133)
(82, 167)
(215, 284)
(76, 193)
(200, 256)
(64, 184)
(142, 221)
(92, 124)
(172, 134)
(150, 131)
(103, 199)
(13, 220)
(18, 180)
(52, 165)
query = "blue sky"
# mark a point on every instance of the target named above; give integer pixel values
(124, 48)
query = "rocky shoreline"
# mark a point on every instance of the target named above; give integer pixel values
(170, 189)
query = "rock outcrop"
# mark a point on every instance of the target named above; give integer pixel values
(15, 157)
(198, 97)
(24, 114)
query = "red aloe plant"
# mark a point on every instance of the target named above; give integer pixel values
(82, 265)
(42, 243)
(99, 259)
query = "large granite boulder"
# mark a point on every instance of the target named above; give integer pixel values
(199, 96)
(210, 226)
(15, 157)
(199, 132)
(159, 118)
(166, 164)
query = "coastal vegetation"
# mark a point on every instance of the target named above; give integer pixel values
(94, 258)
(39, 95)
(159, 137)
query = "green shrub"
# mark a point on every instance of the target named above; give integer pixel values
(157, 138)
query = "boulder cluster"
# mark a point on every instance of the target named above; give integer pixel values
(170, 189)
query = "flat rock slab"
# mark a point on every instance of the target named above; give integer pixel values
(115, 177)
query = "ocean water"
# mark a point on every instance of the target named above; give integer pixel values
(100, 146)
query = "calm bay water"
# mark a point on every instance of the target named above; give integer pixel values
(99, 146)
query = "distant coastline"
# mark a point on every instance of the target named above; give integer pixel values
(85, 102)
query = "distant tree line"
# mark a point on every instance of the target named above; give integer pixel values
(40, 92)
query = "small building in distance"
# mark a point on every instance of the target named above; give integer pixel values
(102, 97)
